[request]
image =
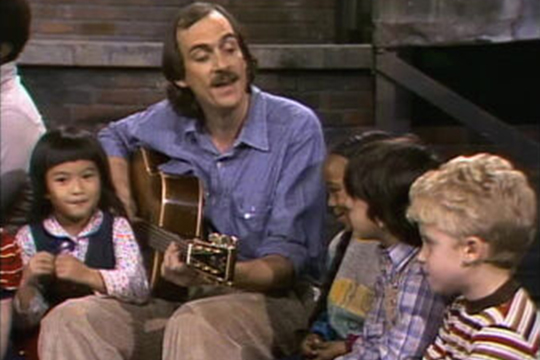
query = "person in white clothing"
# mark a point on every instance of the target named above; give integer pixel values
(21, 124)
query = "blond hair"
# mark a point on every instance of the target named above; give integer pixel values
(482, 195)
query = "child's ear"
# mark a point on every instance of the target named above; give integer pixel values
(474, 250)
(181, 84)
(379, 223)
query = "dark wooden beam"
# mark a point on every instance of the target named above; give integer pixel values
(524, 149)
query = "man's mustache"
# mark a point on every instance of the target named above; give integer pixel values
(339, 211)
(223, 78)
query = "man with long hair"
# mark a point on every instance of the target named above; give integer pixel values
(259, 158)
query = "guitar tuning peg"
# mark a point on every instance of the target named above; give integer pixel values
(214, 238)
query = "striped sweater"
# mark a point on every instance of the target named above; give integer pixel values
(502, 326)
(10, 265)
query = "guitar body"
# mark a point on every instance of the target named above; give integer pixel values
(173, 203)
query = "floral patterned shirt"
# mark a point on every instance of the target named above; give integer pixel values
(127, 281)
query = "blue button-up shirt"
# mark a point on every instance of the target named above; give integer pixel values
(267, 189)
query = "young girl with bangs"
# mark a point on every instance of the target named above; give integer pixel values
(78, 240)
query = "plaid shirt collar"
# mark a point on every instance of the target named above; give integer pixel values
(397, 256)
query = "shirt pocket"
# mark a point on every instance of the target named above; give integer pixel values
(250, 214)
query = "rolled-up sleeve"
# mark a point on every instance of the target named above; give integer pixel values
(296, 220)
(118, 137)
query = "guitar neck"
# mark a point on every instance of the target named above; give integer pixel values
(215, 257)
(156, 237)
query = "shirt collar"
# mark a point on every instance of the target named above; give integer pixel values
(400, 254)
(191, 126)
(8, 72)
(500, 296)
(53, 227)
(254, 132)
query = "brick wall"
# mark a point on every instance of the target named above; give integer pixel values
(90, 97)
(265, 21)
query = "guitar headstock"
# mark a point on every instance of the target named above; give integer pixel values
(215, 258)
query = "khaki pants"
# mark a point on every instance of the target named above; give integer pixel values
(219, 323)
(102, 328)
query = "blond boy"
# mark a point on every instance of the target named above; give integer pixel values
(477, 217)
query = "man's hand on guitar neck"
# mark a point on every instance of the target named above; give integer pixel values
(272, 272)
(177, 271)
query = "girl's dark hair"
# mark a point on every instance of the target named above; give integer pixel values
(354, 143)
(64, 145)
(381, 174)
(173, 67)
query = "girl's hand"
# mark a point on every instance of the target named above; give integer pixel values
(310, 345)
(72, 269)
(40, 266)
(330, 350)
(177, 271)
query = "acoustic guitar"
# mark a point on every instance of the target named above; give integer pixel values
(170, 209)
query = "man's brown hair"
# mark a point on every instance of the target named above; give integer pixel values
(182, 99)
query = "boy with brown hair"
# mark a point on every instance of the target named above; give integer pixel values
(477, 217)
(405, 314)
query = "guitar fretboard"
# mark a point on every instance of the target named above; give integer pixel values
(214, 258)
(156, 237)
